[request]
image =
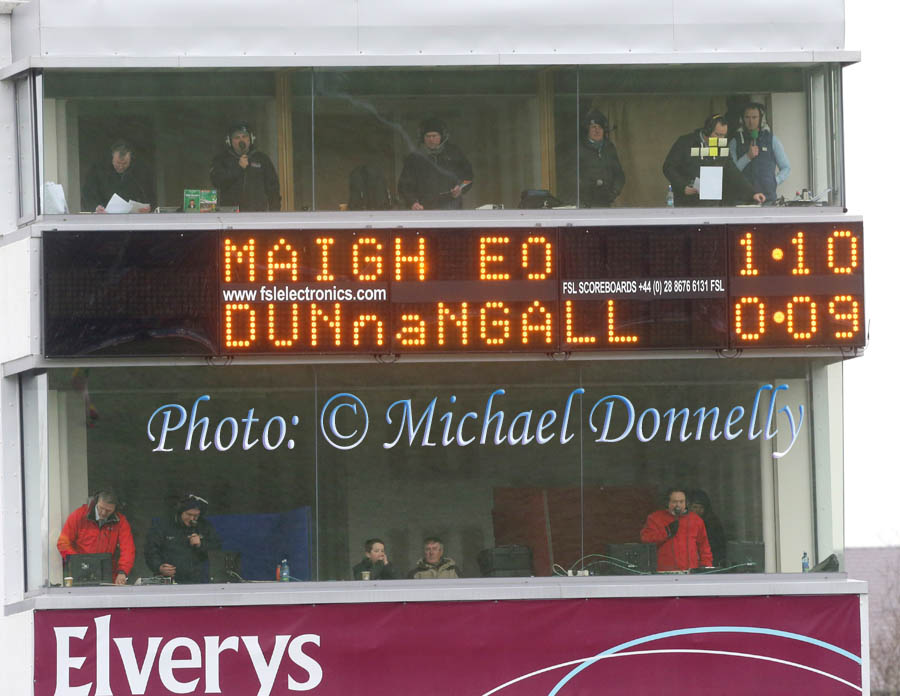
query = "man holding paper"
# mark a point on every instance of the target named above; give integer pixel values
(701, 172)
(122, 176)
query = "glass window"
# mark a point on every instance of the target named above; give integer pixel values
(516, 468)
(152, 136)
(328, 139)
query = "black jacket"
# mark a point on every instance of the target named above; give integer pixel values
(252, 189)
(427, 177)
(134, 184)
(379, 570)
(601, 177)
(681, 168)
(167, 542)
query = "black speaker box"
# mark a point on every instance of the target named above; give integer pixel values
(505, 560)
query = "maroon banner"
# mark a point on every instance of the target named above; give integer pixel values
(698, 645)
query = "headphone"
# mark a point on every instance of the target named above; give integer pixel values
(710, 123)
(239, 126)
(106, 492)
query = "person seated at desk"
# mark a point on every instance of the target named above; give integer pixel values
(437, 174)
(177, 545)
(98, 527)
(691, 152)
(123, 175)
(679, 535)
(434, 564)
(375, 563)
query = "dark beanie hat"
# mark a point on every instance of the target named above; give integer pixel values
(191, 502)
(596, 117)
(433, 125)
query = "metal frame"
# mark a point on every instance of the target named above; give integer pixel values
(487, 589)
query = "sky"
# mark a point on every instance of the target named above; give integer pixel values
(871, 99)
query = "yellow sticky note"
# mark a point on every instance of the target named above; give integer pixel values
(713, 152)
(713, 141)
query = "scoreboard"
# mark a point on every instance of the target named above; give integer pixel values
(471, 290)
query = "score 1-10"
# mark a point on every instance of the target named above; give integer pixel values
(800, 317)
(495, 257)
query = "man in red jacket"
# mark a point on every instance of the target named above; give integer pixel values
(98, 528)
(679, 535)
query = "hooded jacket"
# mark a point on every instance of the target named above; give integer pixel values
(681, 168)
(167, 542)
(689, 548)
(254, 188)
(429, 175)
(83, 533)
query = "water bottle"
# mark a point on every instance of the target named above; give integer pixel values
(285, 571)
(804, 562)
(670, 198)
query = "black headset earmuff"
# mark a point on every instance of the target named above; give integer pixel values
(228, 138)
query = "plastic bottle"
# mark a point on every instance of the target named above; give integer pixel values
(804, 562)
(670, 198)
(285, 571)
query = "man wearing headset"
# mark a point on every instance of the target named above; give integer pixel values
(243, 176)
(679, 535)
(98, 527)
(177, 545)
(682, 168)
(437, 174)
(758, 153)
(123, 175)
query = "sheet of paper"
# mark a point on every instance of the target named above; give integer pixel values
(118, 205)
(138, 207)
(710, 183)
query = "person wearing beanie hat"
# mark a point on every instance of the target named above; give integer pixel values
(243, 176)
(601, 177)
(177, 545)
(437, 174)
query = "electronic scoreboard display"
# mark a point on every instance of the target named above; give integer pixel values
(472, 290)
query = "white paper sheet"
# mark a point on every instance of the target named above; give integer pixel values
(710, 183)
(118, 205)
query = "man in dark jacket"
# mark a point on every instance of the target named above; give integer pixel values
(437, 174)
(177, 545)
(702, 147)
(601, 177)
(375, 563)
(123, 175)
(758, 153)
(245, 177)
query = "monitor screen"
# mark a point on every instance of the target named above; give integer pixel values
(89, 568)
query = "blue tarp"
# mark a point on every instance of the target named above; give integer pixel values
(264, 539)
